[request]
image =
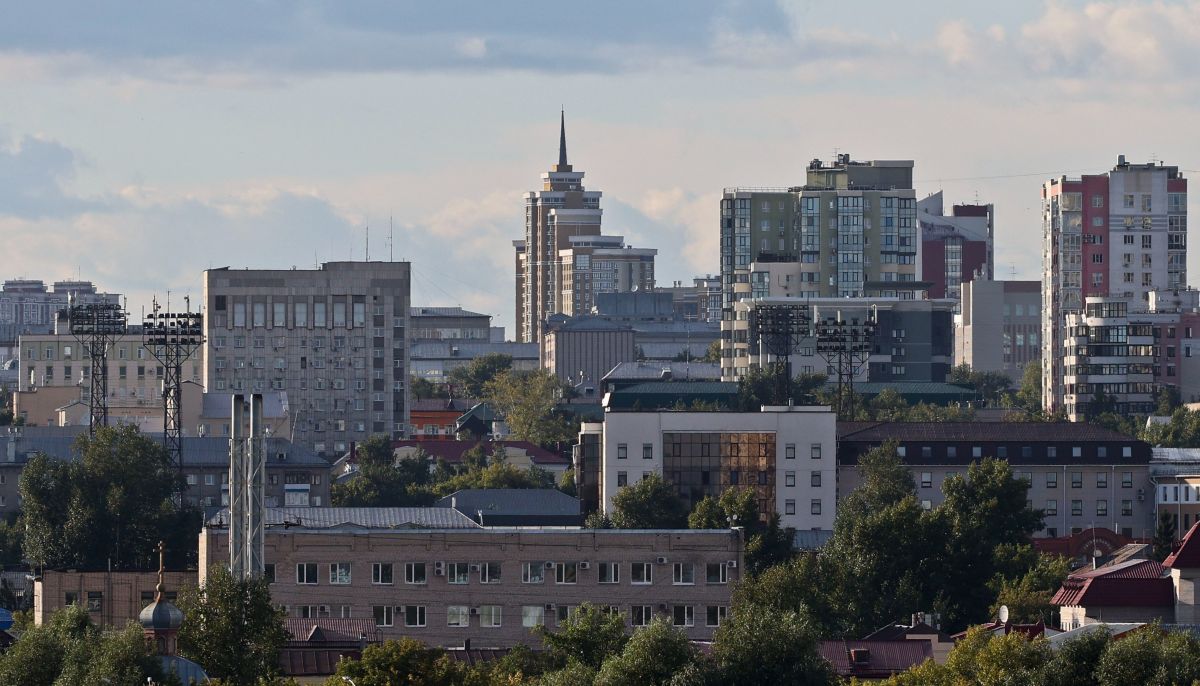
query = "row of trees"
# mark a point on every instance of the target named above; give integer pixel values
(1148, 656)
(754, 646)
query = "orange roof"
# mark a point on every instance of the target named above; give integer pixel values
(1187, 555)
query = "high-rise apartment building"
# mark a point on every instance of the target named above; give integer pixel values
(849, 231)
(28, 307)
(561, 210)
(1121, 234)
(601, 264)
(955, 248)
(334, 338)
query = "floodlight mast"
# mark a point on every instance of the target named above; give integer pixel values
(96, 326)
(172, 337)
(779, 329)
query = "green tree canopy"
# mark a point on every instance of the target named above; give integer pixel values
(231, 628)
(527, 401)
(111, 505)
(765, 645)
(589, 638)
(652, 657)
(471, 380)
(651, 503)
(404, 662)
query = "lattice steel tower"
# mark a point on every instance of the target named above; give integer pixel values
(96, 326)
(172, 337)
(846, 346)
(779, 330)
(247, 466)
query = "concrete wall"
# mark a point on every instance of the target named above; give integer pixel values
(112, 598)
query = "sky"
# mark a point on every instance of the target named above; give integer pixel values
(143, 142)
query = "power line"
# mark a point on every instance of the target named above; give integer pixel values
(1051, 174)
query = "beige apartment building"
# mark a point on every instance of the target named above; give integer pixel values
(334, 339)
(434, 575)
(53, 388)
(112, 599)
(602, 264)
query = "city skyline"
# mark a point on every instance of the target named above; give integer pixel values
(138, 153)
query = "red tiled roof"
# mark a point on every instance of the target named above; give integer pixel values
(1187, 555)
(452, 451)
(314, 662)
(882, 658)
(331, 630)
(1136, 583)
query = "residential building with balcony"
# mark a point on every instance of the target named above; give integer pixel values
(956, 248)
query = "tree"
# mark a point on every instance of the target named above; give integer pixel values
(989, 386)
(767, 543)
(1029, 395)
(713, 352)
(651, 657)
(1026, 590)
(764, 645)
(589, 638)
(527, 401)
(1168, 400)
(1150, 656)
(110, 506)
(566, 483)
(232, 629)
(651, 503)
(471, 380)
(1164, 536)
(421, 388)
(406, 662)
(760, 387)
(383, 481)
(69, 649)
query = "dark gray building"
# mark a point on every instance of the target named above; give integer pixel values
(515, 506)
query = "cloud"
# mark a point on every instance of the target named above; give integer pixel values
(34, 173)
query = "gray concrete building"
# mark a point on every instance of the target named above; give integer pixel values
(434, 575)
(335, 339)
(581, 350)
(998, 327)
(27, 306)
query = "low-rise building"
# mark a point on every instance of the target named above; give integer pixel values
(1175, 477)
(1080, 475)
(112, 599)
(784, 454)
(515, 506)
(435, 575)
(581, 350)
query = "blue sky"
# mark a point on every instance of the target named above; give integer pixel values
(143, 142)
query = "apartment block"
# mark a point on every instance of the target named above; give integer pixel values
(998, 326)
(434, 575)
(784, 454)
(914, 339)
(334, 338)
(561, 210)
(601, 264)
(955, 248)
(1121, 234)
(27, 306)
(1079, 474)
(701, 301)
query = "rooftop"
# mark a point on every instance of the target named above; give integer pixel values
(444, 312)
(512, 502)
(1135, 583)
(1187, 555)
(370, 518)
(1055, 432)
(874, 659)
(198, 451)
(452, 451)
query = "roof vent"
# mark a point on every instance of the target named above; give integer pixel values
(666, 374)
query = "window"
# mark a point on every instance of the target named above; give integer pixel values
(641, 615)
(683, 615)
(1076, 451)
(610, 573)
(815, 507)
(1101, 479)
(976, 451)
(381, 573)
(565, 612)
(489, 616)
(641, 573)
(489, 573)
(414, 572)
(622, 479)
(339, 573)
(566, 572)
(789, 479)
(1102, 508)
(715, 615)
(1051, 508)
(1076, 479)
(789, 452)
(789, 507)
(1126, 479)
(926, 480)
(1051, 479)
(1077, 508)
(95, 601)
(269, 572)
(532, 615)
(306, 573)
(716, 573)
(1126, 508)
(816, 451)
(458, 573)
(533, 572)
(814, 479)
(647, 451)
(383, 615)
(684, 574)
(622, 451)
(458, 615)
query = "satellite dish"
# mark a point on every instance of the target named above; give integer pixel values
(1004, 614)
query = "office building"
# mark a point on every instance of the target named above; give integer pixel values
(700, 301)
(955, 248)
(1121, 234)
(334, 338)
(562, 209)
(434, 575)
(784, 454)
(591, 265)
(998, 326)
(849, 231)
(1079, 474)
(914, 339)
(28, 307)
(581, 350)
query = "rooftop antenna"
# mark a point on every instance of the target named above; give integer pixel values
(391, 242)
(368, 253)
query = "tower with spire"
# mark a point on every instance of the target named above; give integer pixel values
(561, 210)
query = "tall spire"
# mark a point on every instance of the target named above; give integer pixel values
(562, 139)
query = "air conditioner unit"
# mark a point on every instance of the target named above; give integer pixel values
(474, 611)
(549, 607)
(661, 560)
(732, 564)
(549, 565)
(439, 568)
(585, 565)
